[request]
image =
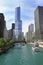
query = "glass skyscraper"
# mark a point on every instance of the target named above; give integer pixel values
(18, 23)
(17, 13)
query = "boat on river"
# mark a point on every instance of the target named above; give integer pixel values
(35, 48)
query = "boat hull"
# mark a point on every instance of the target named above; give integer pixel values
(35, 49)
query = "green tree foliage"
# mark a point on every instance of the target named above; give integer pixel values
(3, 42)
(11, 42)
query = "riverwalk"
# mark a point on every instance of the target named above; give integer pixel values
(40, 44)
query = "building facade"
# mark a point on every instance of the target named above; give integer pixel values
(31, 27)
(39, 22)
(27, 37)
(13, 25)
(30, 31)
(5, 33)
(2, 25)
(17, 13)
(10, 34)
(18, 23)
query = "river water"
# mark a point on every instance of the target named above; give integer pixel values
(22, 56)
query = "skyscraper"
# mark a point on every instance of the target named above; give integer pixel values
(18, 23)
(13, 25)
(30, 31)
(17, 14)
(2, 25)
(39, 22)
(31, 27)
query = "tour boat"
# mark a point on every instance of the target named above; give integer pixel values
(35, 47)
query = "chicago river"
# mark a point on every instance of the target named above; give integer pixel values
(22, 56)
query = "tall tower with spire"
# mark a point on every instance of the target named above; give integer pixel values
(18, 23)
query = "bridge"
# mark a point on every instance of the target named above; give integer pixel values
(20, 41)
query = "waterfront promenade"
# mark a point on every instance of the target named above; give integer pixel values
(40, 44)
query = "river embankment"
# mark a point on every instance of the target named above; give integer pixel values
(40, 44)
(5, 45)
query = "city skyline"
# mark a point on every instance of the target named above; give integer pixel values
(27, 11)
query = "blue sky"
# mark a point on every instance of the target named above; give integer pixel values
(27, 11)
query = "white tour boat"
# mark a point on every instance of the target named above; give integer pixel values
(35, 47)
